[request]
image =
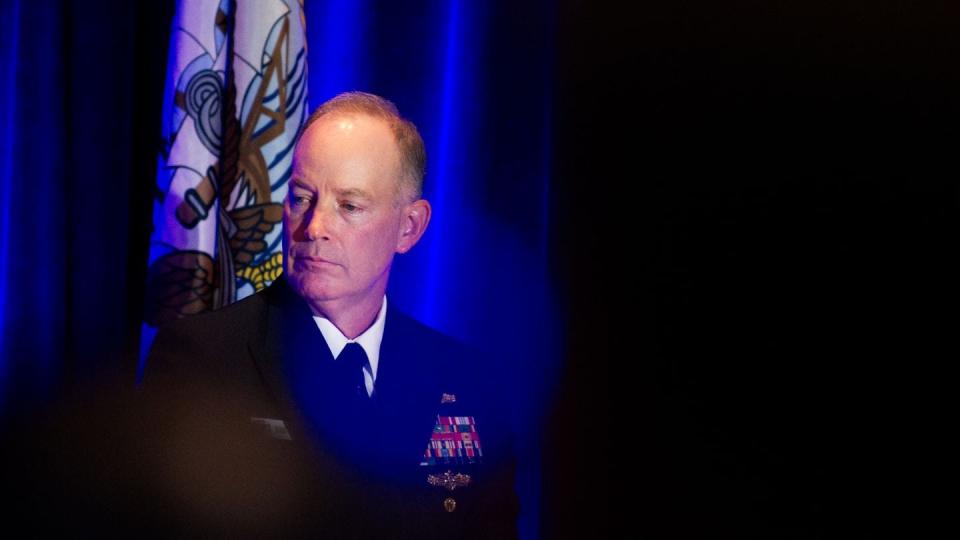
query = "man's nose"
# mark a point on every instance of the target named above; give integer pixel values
(317, 226)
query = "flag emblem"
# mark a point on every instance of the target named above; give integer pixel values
(234, 103)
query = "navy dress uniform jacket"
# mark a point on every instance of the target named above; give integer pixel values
(242, 434)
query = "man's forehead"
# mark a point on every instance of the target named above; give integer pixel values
(348, 124)
(349, 156)
(349, 133)
(342, 122)
(345, 140)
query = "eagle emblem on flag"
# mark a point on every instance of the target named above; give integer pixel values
(235, 100)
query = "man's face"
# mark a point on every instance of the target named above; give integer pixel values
(341, 219)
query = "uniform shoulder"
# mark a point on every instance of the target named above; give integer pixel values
(465, 368)
(439, 352)
(417, 331)
(234, 316)
(205, 339)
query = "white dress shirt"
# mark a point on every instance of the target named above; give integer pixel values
(370, 341)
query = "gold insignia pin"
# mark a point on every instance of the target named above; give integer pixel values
(449, 480)
(448, 398)
(450, 504)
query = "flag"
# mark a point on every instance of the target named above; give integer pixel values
(234, 102)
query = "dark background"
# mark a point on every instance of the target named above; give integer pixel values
(797, 208)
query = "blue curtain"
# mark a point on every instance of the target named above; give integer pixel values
(480, 94)
(80, 97)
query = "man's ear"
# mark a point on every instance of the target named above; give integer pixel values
(414, 221)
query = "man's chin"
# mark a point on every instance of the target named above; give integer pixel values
(312, 289)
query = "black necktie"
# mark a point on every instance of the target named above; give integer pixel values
(349, 366)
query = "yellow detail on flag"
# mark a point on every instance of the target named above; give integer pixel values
(266, 273)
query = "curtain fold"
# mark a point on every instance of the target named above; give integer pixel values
(75, 80)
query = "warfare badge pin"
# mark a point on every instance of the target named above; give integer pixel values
(448, 480)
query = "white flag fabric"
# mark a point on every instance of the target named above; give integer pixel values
(235, 99)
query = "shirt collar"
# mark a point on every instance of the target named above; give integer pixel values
(370, 339)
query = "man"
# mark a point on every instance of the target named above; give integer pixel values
(314, 407)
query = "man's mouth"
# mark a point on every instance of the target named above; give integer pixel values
(311, 263)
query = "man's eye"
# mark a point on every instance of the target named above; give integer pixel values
(351, 208)
(299, 200)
